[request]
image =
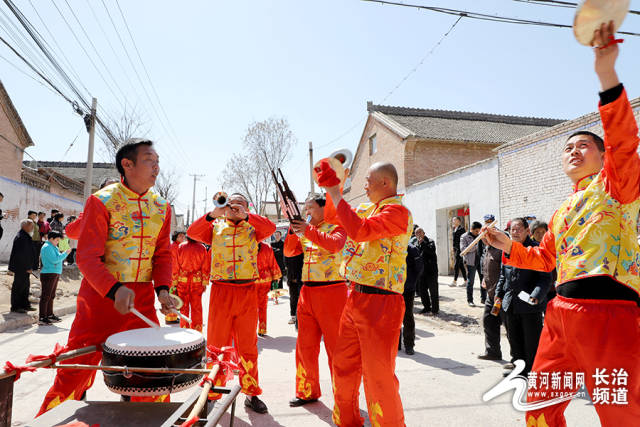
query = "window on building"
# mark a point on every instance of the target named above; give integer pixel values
(373, 145)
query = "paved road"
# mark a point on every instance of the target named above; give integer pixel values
(441, 385)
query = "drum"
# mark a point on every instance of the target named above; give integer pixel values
(153, 348)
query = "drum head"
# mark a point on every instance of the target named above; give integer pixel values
(590, 14)
(153, 340)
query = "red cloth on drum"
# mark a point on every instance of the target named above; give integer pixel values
(269, 271)
(366, 351)
(319, 311)
(192, 270)
(604, 336)
(96, 320)
(233, 317)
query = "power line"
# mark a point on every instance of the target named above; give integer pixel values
(565, 4)
(484, 16)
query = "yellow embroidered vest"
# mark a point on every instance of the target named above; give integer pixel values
(381, 263)
(320, 265)
(134, 224)
(596, 235)
(234, 251)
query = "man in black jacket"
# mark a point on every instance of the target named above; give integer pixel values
(21, 261)
(458, 231)
(278, 251)
(428, 281)
(523, 317)
(415, 267)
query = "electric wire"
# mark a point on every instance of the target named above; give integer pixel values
(564, 4)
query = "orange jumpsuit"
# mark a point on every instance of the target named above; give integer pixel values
(233, 305)
(193, 265)
(173, 317)
(595, 327)
(269, 271)
(118, 225)
(320, 305)
(374, 260)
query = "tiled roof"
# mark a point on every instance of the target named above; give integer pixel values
(22, 130)
(77, 170)
(461, 125)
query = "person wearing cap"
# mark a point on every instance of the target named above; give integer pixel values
(591, 326)
(374, 261)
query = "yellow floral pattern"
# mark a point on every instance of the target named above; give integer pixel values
(320, 265)
(380, 263)
(540, 422)
(375, 411)
(234, 251)
(303, 388)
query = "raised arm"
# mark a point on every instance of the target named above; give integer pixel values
(264, 226)
(392, 220)
(333, 242)
(202, 229)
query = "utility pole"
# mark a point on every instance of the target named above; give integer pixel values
(91, 127)
(311, 168)
(205, 199)
(193, 200)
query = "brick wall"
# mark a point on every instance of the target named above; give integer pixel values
(531, 178)
(11, 151)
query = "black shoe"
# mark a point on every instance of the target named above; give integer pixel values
(54, 319)
(489, 356)
(255, 404)
(423, 311)
(31, 309)
(409, 351)
(172, 322)
(299, 402)
(44, 321)
(260, 334)
(471, 304)
(19, 310)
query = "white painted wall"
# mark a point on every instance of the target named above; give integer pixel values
(476, 185)
(18, 200)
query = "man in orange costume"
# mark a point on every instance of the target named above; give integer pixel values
(592, 326)
(123, 246)
(233, 234)
(374, 260)
(193, 266)
(177, 238)
(322, 297)
(269, 272)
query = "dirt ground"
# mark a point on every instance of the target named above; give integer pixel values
(66, 293)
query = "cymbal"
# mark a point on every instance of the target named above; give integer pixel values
(590, 14)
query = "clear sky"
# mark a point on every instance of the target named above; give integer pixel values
(217, 66)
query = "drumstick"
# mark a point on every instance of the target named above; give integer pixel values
(185, 318)
(144, 318)
(477, 239)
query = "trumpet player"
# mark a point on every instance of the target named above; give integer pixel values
(374, 261)
(322, 297)
(233, 234)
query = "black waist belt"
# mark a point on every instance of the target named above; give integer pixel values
(597, 287)
(363, 289)
(317, 284)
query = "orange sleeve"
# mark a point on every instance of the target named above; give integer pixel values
(621, 162)
(391, 220)
(333, 242)
(264, 227)
(74, 229)
(161, 260)
(540, 258)
(292, 245)
(91, 244)
(201, 230)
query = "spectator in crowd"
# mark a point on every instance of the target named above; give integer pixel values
(491, 263)
(73, 243)
(43, 226)
(278, 251)
(538, 230)
(428, 281)
(523, 317)
(35, 237)
(21, 262)
(56, 224)
(1, 215)
(470, 261)
(53, 214)
(458, 231)
(51, 270)
(294, 260)
(415, 267)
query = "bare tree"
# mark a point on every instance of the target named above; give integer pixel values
(267, 145)
(129, 125)
(167, 184)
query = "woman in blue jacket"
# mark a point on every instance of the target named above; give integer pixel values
(49, 275)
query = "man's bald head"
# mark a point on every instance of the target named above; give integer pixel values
(385, 170)
(382, 181)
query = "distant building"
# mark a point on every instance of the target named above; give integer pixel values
(271, 210)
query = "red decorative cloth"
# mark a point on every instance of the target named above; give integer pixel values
(10, 367)
(57, 351)
(326, 175)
